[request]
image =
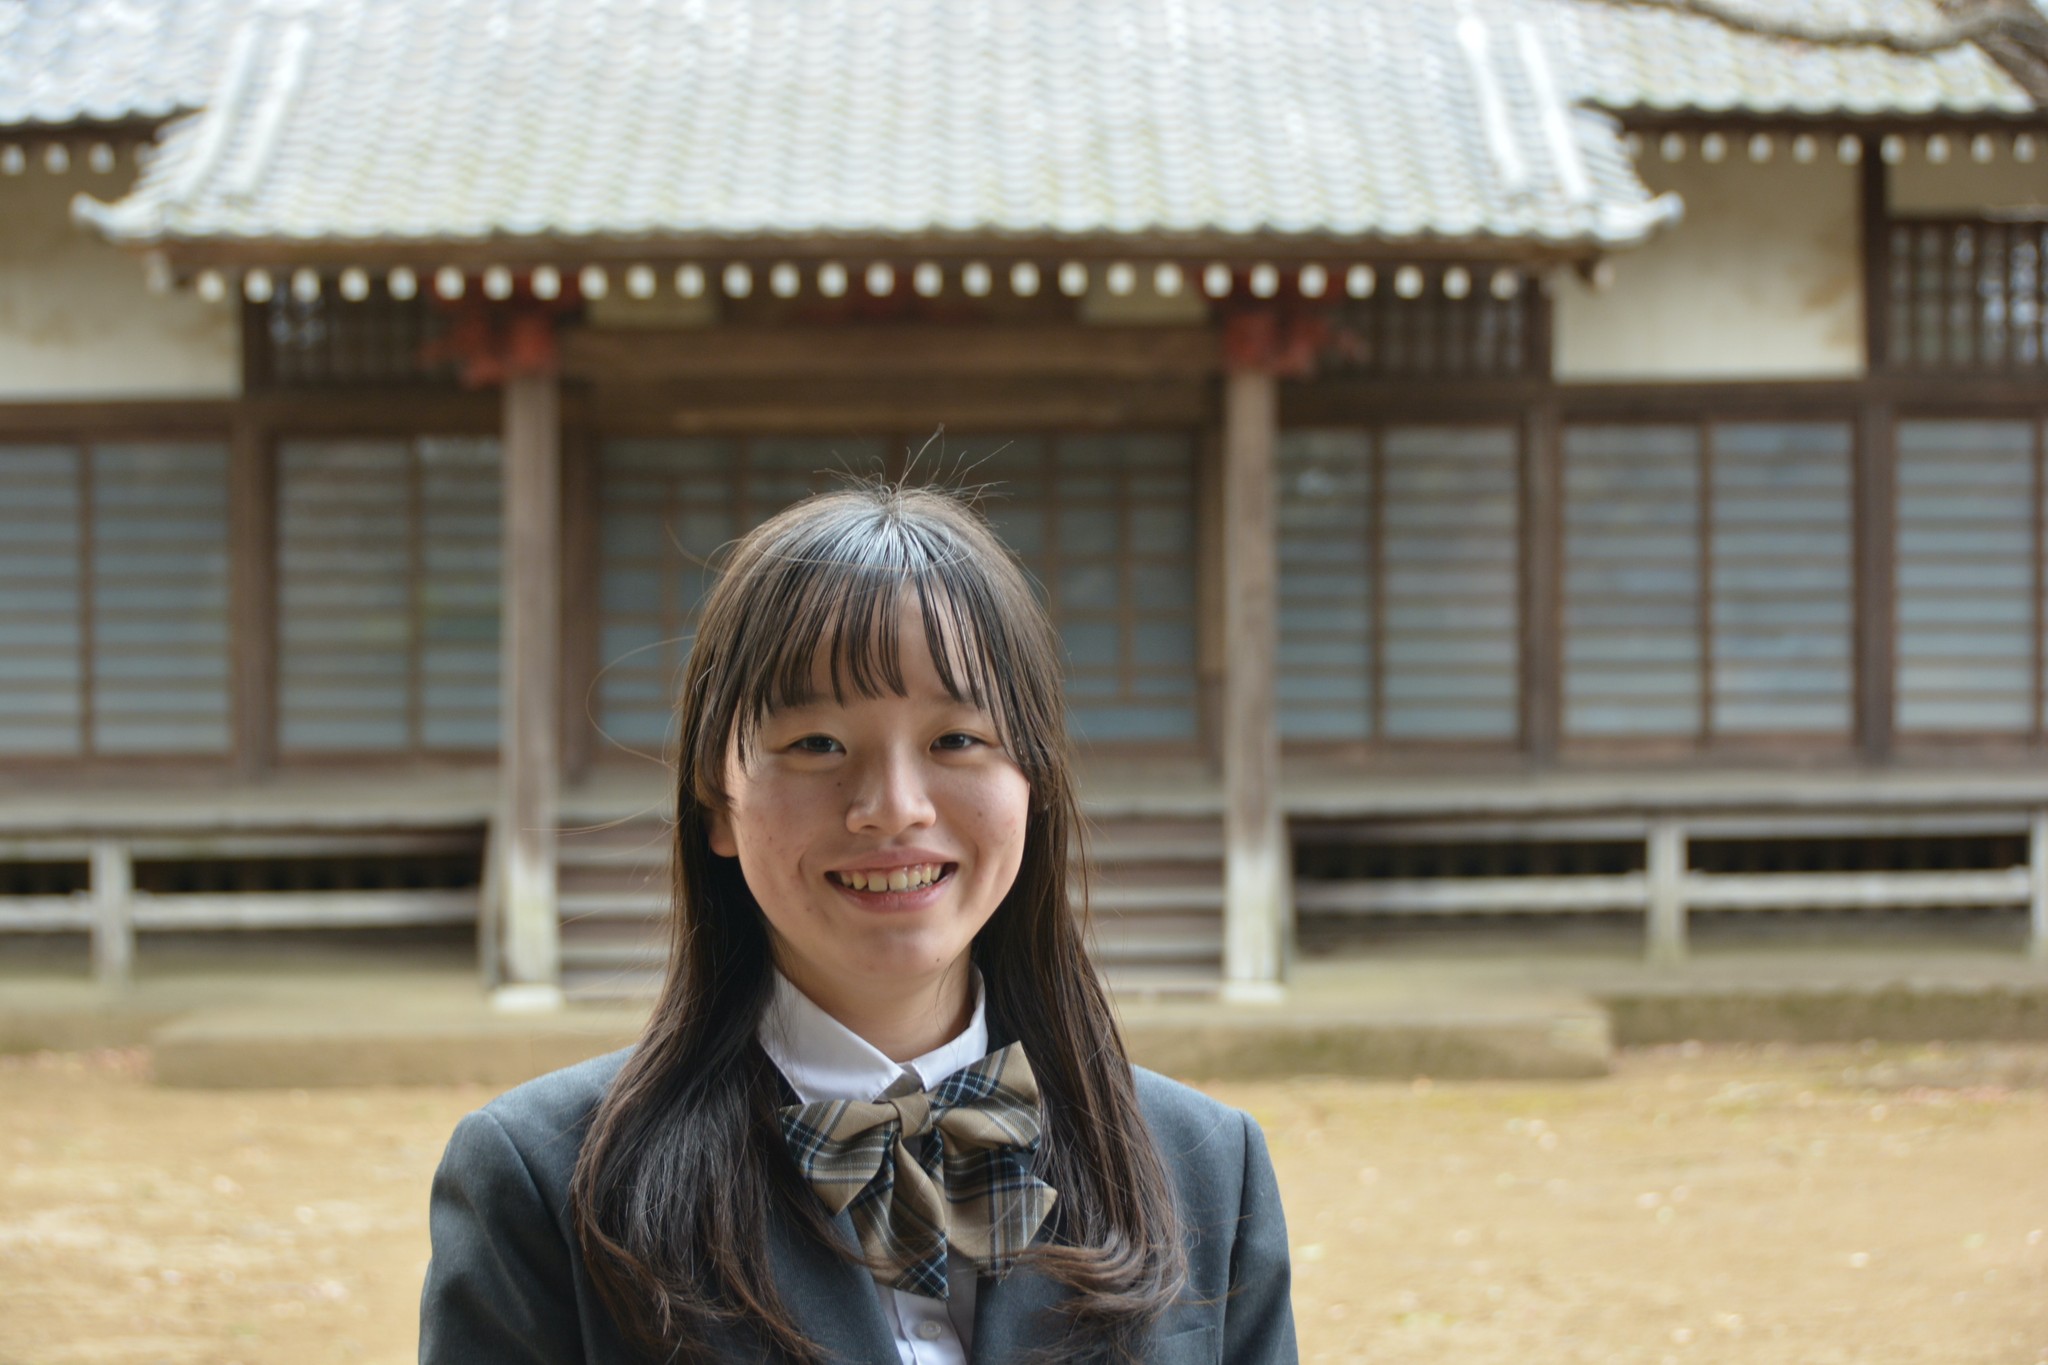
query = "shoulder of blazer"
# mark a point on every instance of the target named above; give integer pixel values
(546, 1118)
(1189, 1125)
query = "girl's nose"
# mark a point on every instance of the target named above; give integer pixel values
(889, 796)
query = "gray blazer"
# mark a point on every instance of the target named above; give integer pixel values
(507, 1285)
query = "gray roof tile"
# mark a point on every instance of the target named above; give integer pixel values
(65, 62)
(416, 121)
(1642, 57)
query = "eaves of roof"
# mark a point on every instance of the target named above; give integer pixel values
(379, 124)
(108, 65)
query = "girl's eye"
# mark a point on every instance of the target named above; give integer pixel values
(816, 744)
(958, 739)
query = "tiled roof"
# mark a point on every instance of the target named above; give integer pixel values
(397, 121)
(1644, 57)
(66, 62)
(1399, 121)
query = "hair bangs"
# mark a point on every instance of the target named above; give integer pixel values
(832, 616)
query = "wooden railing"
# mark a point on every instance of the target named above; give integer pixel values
(113, 910)
(1667, 889)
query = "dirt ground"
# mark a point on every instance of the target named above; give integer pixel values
(1775, 1206)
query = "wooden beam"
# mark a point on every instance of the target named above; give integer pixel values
(252, 594)
(839, 405)
(1257, 875)
(1665, 929)
(1542, 564)
(948, 249)
(113, 924)
(902, 350)
(529, 718)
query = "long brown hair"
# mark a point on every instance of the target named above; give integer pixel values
(684, 1159)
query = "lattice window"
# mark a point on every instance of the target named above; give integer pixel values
(113, 599)
(1398, 584)
(666, 507)
(329, 340)
(388, 593)
(1707, 581)
(1969, 578)
(1968, 295)
(1434, 334)
(1105, 523)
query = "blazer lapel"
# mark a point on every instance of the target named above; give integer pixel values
(834, 1300)
(1014, 1316)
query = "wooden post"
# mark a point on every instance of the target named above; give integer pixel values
(1212, 647)
(1666, 866)
(1876, 531)
(582, 572)
(1876, 497)
(529, 722)
(1257, 876)
(1542, 556)
(252, 588)
(113, 921)
(2037, 886)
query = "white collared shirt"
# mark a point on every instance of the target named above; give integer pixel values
(823, 1059)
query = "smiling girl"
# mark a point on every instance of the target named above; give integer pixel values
(881, 1111)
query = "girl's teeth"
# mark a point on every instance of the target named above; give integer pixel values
(900, 879)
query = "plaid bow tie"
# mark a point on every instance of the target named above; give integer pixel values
(971, 1188)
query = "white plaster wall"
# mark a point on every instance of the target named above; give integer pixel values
(1964, 186)
(77, 319)
(1762, 279)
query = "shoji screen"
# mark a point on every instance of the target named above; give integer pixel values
(113, 599)
(666, 507)
(1707, 587)
(159, 598)
(1969, 577)
(42, 600)
(388, 595)
(1398, 557)
(1105, 524)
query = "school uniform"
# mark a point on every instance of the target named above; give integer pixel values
(507, 1284)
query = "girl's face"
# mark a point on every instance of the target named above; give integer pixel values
(878, 835)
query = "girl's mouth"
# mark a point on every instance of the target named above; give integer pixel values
(886, 880)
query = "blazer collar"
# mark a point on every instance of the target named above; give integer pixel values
(1015, 1316)
(831, 1295)
(834, 1301)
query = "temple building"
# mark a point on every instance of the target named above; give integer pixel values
(1502, 456)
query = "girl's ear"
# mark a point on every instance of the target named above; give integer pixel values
(718, 833)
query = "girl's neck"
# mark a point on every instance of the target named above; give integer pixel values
(900, 1020)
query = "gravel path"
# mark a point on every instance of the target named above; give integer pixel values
(1766, 1206)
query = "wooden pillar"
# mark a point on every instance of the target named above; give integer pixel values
(2037, 884)
(1876, 534)
(1666, 922)
(113, 917)
(1212, 646)
(1542, 559)
(252, 589)
(529, 934)
(1876, 487)
(1258, 914)
(581, 571)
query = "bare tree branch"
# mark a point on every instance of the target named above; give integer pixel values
(1964, 21)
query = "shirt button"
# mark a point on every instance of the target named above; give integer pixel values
(929, 1330)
